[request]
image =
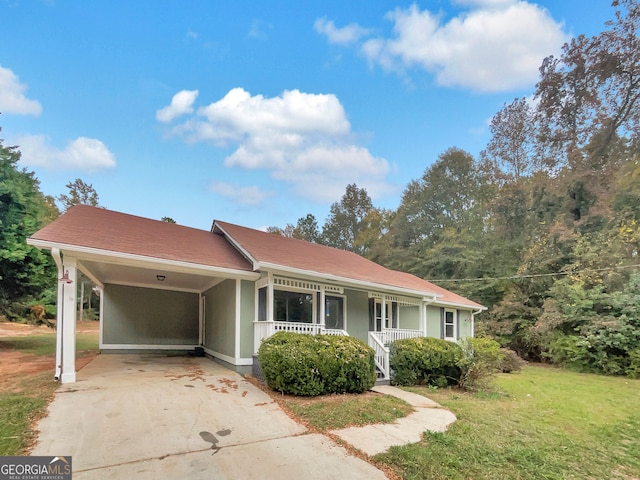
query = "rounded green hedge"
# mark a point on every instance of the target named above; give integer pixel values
(425, 360)
(299, 364)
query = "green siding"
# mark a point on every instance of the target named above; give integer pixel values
(357, 314)
(146, 316)
(409, 318)
(433, 321)
(220, 313)
(464, 322)
(247, 315)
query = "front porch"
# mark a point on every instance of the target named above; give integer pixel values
(379, 341)
(312, 308)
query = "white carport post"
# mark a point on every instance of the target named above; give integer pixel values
(67, 322)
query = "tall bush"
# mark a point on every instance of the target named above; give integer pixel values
(480, 359)
(424, 360)
(310, 365)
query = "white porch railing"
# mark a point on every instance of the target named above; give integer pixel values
(392, 334)
(262, 330)
(380, 341)
(382, 354)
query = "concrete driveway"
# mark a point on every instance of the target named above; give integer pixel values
(151, 416)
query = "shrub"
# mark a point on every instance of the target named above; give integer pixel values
(424, 360)
(511, 362)
(633, 370)
(480, 359)
(604, 351)
(308, 365)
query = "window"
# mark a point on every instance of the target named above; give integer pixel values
(378, 315)
(450, 324)
(334, 312)
(293, 306)
(262, 304)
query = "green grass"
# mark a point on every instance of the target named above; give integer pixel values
(46, 344)
(541, 423)
(24, 397)
(342, 411)
(19, 408)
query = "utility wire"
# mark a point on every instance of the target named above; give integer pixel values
(534, 275)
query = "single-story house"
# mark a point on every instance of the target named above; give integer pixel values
(164, 286)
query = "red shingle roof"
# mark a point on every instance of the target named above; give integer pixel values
(103, 229)
(106, 230)
(289, 252)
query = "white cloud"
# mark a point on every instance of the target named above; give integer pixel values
(303, 139)
(342, 36)
(258, 29)
(12, 95)
(243, 195)
(181, 104)
(495, 45)
(321, 172)
(83, 153)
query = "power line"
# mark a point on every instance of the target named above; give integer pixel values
(534, 275)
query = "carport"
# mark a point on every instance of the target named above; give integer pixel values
(157, 284)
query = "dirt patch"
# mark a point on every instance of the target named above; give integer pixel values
(16, 364)
(13, 329)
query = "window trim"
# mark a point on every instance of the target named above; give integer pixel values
(314, 307)
(454, 319)
(344, 309)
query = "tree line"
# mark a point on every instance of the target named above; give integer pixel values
(541, 227)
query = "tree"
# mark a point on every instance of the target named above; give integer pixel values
(346, 219)
(287, 231)
(307, 229)
(80, 193)
(374, 240)
(447, 196)
(25, 271)
(512, 146)
(167, 220)
(593, 86)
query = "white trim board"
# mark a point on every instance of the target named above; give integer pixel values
(239, 362)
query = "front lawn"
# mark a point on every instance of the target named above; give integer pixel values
(331, 412)
(540, 423)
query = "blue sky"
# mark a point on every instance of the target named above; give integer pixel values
(258, 113)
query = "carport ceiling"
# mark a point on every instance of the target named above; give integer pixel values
(149, 277)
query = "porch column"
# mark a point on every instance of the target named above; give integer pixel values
(323, 304)
(383, 314)
(423, 318)
(270, 299)
(67, 321)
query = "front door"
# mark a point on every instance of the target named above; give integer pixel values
(382, 321)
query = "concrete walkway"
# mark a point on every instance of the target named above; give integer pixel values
(148, 417)
(374, 439)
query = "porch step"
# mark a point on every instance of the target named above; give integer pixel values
(382, 381)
